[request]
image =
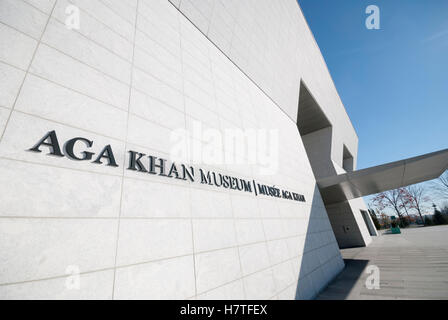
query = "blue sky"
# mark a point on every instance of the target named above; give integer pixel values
(393, 81)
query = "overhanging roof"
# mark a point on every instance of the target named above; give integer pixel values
(381, 178)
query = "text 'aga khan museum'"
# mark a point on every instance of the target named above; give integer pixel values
(182, 149)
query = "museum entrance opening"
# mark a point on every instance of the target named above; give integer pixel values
(368, 222)
(316, 132)
(317, 136)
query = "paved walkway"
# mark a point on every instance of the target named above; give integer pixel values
(413, 265)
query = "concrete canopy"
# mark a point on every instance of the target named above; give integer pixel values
(381, 178)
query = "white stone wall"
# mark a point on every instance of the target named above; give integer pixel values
(318, 147)
(133, 73)
(272, 43)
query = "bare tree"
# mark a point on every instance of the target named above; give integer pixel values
(416, 196)
(405, 200)
(441, 184)
(390, 199)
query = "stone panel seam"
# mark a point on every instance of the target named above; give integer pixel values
(101, 22)
(26, 72)
(124, 156)
(181, 256)
(247, 76)
(189, 191)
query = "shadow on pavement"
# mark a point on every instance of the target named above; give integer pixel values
(345, 282)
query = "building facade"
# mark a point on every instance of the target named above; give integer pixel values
(108, 187)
